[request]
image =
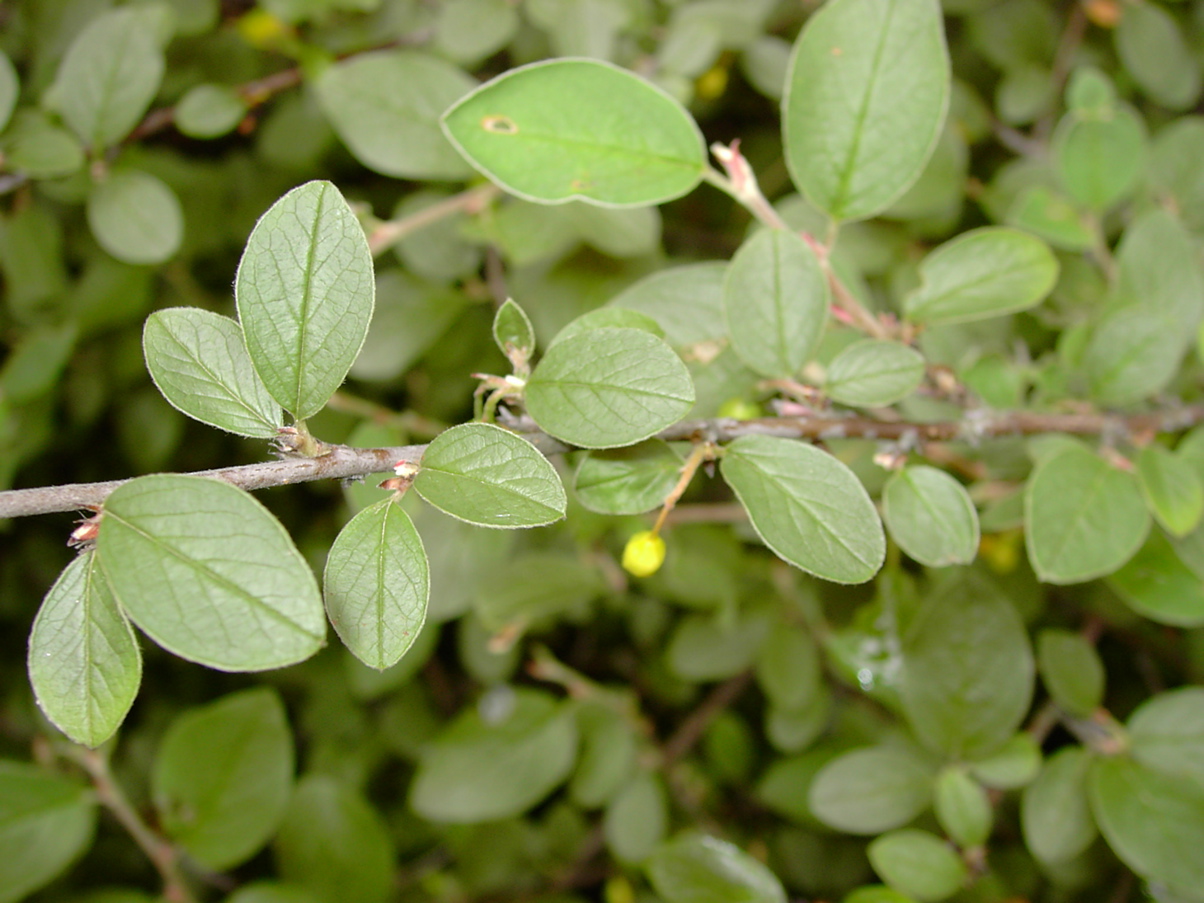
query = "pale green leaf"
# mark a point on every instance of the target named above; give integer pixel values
(967, 678)
(199, 362)
(698, 868)
(628, 480)
(982, 273)
(866, 96)
(109, 76)
(962, 807)
(377, 584)
(608, 387)
(84, 662)
(1132, 354)
(35, 145)
(223, 776)
(1159, 584)
(385, 106)
(572, 128)
(1172, 489)
(873, 373)
(1159, 269)
(46, 821)
(1083, 517)
(488, 476)
(1054, 812)
(10, 88)
(1012, 765)
(305, 294)
(775, 301)
(931, 517)
(1153, 821)
(512, 330)
(209, 573)
(918, 864)
(209, 111)
(871, 790)
(493, 763)
(1051, 217)
(808, 507)
(1071, 671)
(788, 668)
(1152, 47)
(609, 316)
(136, 217)
(1166, 733)
(468, 31)
(607, 758)
(636, 819)
(1100, 160)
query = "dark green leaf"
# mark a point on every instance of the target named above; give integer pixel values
(210, 574)
(534, 587)
(788, 668)
(574, 128)
(871, 790)
(918, 864)
(488, 476)
(305, 295)
(636, 819)
(628, 480)
(705, 648)
(84, 662)
(10, 88)
(698, 868)
(865, 100)
(931, 517)
(377, 584)
(1013, 765)
(608, 387)
(1083, 517)
(223, 777)
(200, 364)
(608, 755)
(807, 506)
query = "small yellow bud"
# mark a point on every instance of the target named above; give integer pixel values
(262, 30)
(740, 409)
(644, 554)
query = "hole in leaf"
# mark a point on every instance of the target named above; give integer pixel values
(499, 125)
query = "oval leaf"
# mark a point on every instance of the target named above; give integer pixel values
(872, 373)
(1167, 733)
(807, 506)
(982, 273)
(628, 480)
(865, 100)
(775, 301)
(223, 776)
(1071, 671)
(1054, 811)
(573, 128)
(377, 584)
(385, 106)
(608, 387)
(488, 476)
(209, 111)
(305, 294)
(513, 332)
(84, 662)
(1158, 584)
(1172, 489)
(918, 864)
(931, 517)
(210, 574)
(199, 362)
(868, 791)
(1100, 160)
(136, 217)
(636, 819)
(1083, 517)
(694, 867)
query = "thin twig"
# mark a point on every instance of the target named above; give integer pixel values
(690, 731)
(387, 234)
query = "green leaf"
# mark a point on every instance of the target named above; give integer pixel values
(607, 758)
(209, 574)
(637, 819)
(967, 679)
(109, 76)
(788, 668)
(1071, 671)
(45, 823)
(873, 373)
(807, 506)
(265, 892)
(574, 128)
(982, 273)
(35, 145)
(775, 301)
(918, 864)
(305, 294)
(931, 517)
(385, 106)
(1013, 765)
(1100, 160)
(962, 807)
(1166, 733)
(865, 100)
(10, 89)
(1051, 217)
(608, 387)
(84, 662)
(1055, 814)
(136, 217)
(377, 584)
(871, 790)
(199, 362)
(1159, 269)
(1153, 821)
(609, 316)
(496, 761)
(209, 111)
(534, 587)
(488, 476)
(628, 480)
(512, 330)
(223, 776)
(1173, 171)
(1154, 52)
(410, 316)
(705, 648)
(333, 843)
(698, 868)
(1133, 353)
(468, 31)
(1083, 517)
(1159, 584)
(1172, 489)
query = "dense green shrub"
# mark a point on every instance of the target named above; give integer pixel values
(862, 485)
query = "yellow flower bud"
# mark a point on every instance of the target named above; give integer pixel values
(644, 554)
(261, 29)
